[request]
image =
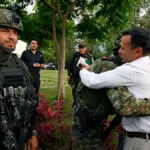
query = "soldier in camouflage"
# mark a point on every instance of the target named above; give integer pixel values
(18, 119)
(89, 113)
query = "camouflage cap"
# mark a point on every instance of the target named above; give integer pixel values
(10, 19)
(82, 45)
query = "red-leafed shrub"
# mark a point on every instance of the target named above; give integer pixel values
(54, 132)
(112, 141)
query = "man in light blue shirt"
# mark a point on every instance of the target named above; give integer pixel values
(135, 75)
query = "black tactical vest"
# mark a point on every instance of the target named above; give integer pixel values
(15, 81)
(17, 101)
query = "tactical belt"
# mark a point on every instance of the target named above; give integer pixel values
(138, 135)
(35, 72)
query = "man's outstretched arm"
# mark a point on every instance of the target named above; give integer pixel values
(124, 103)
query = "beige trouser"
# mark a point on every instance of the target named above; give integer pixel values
(25, 147)
(137, 144)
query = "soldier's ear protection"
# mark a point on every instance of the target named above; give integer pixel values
(15, 18)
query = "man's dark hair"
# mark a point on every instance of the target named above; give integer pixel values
(140, 37)
(33, 40)
(82, 45)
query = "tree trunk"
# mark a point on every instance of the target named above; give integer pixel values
(61, 74)
(60, 53)
(60, 49)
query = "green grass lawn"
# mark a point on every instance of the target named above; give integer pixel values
(49, 81)
(48, 87)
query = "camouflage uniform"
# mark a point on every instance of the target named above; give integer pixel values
(126, 104)
(88, 137)
(89, 112)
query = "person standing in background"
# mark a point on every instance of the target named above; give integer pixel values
(34, 60)
(73, 69)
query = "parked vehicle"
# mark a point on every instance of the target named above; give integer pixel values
(51, 66)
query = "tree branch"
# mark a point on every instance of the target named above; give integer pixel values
(53, 7)
(49, 5)
(58, 9)
(58, 4)
(45, 32)
(70, 8)
(54, 33)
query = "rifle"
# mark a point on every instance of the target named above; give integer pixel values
(21, 108)
(8, 140)
(105, 134)
(16, 108)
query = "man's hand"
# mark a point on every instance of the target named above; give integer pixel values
(42, 66)
(32, 143)
(36, 65)
(87, 67)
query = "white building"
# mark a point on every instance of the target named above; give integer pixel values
(20, 47)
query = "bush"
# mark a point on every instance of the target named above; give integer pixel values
(54, 133)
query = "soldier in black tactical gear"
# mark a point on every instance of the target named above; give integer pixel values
(18, 121)
(79, 58)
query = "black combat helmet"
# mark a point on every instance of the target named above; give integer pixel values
(117, 45)
(10, 19)
(117, 59)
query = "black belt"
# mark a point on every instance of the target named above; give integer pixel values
(36, 72)
(138, 135)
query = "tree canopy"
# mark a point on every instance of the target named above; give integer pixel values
(96, 21)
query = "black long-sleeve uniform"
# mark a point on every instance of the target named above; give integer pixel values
(73, 70)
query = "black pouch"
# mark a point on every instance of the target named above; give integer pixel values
(30, 107)
(12, 77)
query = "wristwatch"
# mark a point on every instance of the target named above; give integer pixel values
(35, 133)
